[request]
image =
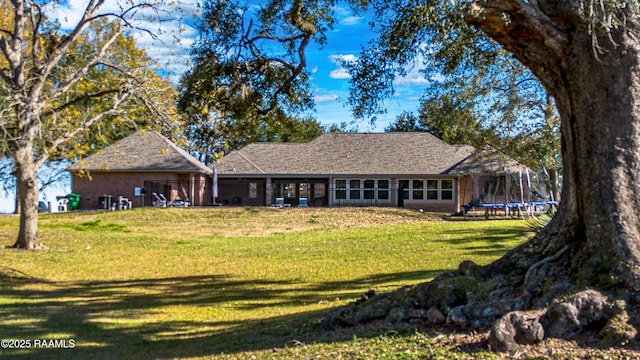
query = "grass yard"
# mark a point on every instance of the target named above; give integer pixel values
(224, 282)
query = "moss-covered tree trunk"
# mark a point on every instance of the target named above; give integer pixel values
(595, 80)
(545, 287)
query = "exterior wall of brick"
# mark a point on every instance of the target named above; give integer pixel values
(123, 184)
(201, 192)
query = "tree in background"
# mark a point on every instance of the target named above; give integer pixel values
(69, 93)
(493, 102)
(209, 137)
(249, 78)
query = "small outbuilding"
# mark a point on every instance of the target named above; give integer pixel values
(130, 171)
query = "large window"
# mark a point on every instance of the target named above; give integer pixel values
(354, 189)
(432, 189)
(253, 190)
(369, 189)
(341, 189)
(440, 189)
(362, 189)
(383, 189)
(288, 190)
(418, 189)
(318, 190)
(374, 190)
(446, 189)
(429, 189)
(303, 190)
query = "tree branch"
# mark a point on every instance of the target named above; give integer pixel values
(523, 30)
(86, 125)
(79, 99)
(77, 76)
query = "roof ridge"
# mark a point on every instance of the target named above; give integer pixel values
(249, 161)
(182, 151)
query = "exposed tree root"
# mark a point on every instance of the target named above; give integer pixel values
(537, 299)
(31, 246)
(535, 266)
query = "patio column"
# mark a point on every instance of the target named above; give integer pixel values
(331, 190)
(268, 192)
(457, 194)
(393, 188)
(192, 190)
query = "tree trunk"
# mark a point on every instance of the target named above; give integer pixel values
(554, 184)
(27, 190)
(597, 91)
(16, 202)
(601, 153)
(594, 239)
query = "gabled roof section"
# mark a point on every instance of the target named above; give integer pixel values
(264, 158)
(486, 161)
(143, 151)
(396, 153)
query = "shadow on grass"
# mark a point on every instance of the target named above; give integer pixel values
(128, 319)
(486, 242)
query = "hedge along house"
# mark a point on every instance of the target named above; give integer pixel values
(412, 170)
(144, 160)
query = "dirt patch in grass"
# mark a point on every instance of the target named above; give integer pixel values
(264, 221)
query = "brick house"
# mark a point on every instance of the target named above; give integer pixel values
(144, 160)
(398, 169)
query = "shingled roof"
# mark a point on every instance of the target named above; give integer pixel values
(487, 160)
(143, 151)
(395, 153)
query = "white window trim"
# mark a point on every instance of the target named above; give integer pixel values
(425, 189)
(362, 189)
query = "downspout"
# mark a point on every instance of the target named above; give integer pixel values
(458, 194)
(192, 190)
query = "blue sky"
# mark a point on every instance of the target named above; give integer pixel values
(330, 82)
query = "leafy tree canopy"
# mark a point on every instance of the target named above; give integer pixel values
(478, 93)
(249, 81)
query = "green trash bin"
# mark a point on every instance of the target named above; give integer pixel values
(74, 200)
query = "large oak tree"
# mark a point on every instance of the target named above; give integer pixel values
(585, 53)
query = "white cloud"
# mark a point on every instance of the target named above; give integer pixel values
(172, 28)
(340, 72)
(351, 20)
(326, 98)
(341, 11)
(338, 58)
(414, 76)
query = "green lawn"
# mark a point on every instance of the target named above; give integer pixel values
(224, 282)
